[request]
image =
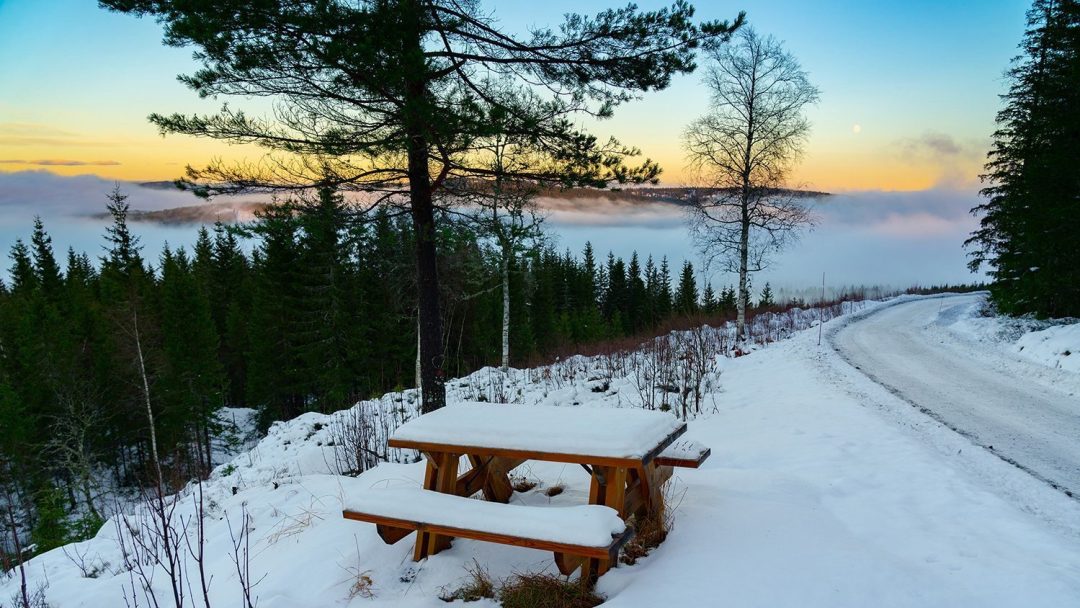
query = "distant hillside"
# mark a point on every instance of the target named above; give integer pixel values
(202, 213)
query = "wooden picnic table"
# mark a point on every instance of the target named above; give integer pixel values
(618, 447)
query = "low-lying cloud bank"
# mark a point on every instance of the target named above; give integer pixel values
(52, 195)
(895, 238)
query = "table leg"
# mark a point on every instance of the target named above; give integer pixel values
(430, 474)
(608, 488)
(440, 476)
(651, 479)
(490, 475)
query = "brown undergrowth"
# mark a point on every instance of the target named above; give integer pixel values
(529, 590)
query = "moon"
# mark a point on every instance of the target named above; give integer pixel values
(856, 128)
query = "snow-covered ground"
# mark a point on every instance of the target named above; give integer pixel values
(823, 489)
(967, 370)
(1057, 346)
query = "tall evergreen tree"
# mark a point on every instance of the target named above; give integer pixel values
(391, 96)
(766, 300)
(45, 267)
(686, 296)
(663, 290)
(709, 304)
(1032, 211)
(637, 297)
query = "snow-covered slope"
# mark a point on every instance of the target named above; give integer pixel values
(822, 490)
(1056, 346)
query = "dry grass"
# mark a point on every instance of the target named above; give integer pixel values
(522, 484)
(554, 490)
(524, 590)
(546, 591)
(650, 531)
(362, 586)
(478, 585)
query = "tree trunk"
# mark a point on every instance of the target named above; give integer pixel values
(506, 313)
(417, 118)
(744, 297)
(419, 382)
(432, 377)
(146, 394)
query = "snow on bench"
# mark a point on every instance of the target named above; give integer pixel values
(586, 531)
(683, 453)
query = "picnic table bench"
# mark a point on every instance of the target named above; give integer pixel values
(629, 454)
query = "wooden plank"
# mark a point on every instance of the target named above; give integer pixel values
(537, 455)
(567, 563)
(504, 539)
(472, 481)
(492, 475)
(687, 463)
(653, 453)
(635, 495)
(390, 534)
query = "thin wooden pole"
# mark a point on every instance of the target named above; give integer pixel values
(821, 311)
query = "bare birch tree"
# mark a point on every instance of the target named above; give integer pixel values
(743, 150)
(503, 210)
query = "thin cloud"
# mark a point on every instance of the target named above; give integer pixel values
(61, 162)
(29, 129)
(935, 146)
(34, 134)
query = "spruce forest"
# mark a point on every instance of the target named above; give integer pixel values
(320, 313)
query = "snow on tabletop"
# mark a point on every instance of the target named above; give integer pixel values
(583, 525)
(684, 449)
(598, 432)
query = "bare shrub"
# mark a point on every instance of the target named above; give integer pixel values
(90, 566)
(241, 556)
(359, 436)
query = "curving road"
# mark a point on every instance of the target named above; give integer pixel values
(986, 396)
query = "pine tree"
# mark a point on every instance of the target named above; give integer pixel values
(766, 300)
(728, 301)
(663, 290)
(23, 276)
(391, 97)
(686, 297)
(46, 269)
(637, 297)
(1031, 216)
(191, 382)
(708, 299)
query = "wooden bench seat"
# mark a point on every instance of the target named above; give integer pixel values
(574, 534)
(685, 453)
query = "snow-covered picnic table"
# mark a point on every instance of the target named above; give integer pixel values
(579, 435)
(623, 450)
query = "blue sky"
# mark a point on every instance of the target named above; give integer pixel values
(921, 80)
(76, 83)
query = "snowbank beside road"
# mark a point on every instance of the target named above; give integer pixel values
(1055, 343)
(1056, 346)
